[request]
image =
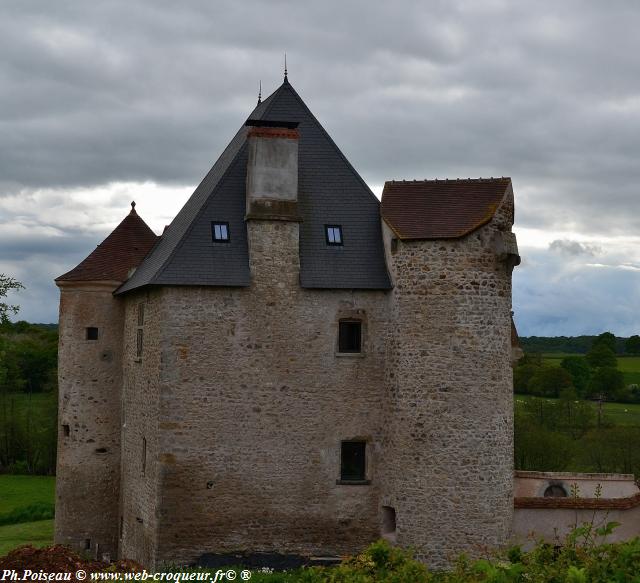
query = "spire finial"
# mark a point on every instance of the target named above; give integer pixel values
(260, 92)
(286, 79)
(133, 206)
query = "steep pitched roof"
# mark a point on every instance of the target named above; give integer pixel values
(122, 250)
(329, 192)
(441, 209)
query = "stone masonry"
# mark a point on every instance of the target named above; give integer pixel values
(209, 418)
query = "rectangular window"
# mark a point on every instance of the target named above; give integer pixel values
(334, 234)
(350, 336)
(140, 331)
(144, 455)
(140, 314)
(92, 333)
(353, 462)
(66, 430)
(220, 232)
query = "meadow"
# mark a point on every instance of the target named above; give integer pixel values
(23, 498)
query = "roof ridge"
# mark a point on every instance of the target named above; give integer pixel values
(451, 180)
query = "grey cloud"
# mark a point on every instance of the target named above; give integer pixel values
(574, 248)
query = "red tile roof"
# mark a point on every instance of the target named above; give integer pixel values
(123, 249)
(441, 209)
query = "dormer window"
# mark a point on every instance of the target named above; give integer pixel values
(220, 232)
(334, 234)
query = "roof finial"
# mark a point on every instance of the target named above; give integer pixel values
(133, 206)
(260, 92)
(286, 79)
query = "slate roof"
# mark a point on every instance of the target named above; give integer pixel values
(441, 209)
(122, 250)
(330, 191)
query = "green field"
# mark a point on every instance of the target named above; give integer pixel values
(17, 493)
(628, 365)
(617, 413)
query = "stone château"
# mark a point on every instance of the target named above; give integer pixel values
(293, 366)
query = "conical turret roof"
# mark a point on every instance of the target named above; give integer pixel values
(122, 250)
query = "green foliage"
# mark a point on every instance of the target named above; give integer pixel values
(632, 345)
(606, 339)
(549, 381)
(31, 513)
(7, 284)
(606, 381)
(580, 372)
(522, 376)
(601, 355)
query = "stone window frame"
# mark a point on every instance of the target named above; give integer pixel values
(91, 333)
(367, 463)
(140, 319)
(353, 315)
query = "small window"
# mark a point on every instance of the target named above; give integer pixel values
(139, 342)
(350, 336)
(388, 522)
(92, 333)
(66, 430)
(144, 455)
(555, 491)
(334, 234)
(352, 461)
(87, 544)
(141, 314)
(220, 232)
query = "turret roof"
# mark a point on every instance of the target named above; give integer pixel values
(121, 251)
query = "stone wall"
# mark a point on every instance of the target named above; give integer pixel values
(254, 402)
(89, 376)
(140, 426)
(448, 441)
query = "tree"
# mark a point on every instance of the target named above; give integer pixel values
(601, 355)
(580, 372)
(6, 285)
(549, 381)
(606, 339)
(632, 345)
(607, 381)
(522, 376)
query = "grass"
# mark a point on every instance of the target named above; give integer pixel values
(38, 534)
(617, 413)
(17, 494)
(21, 491)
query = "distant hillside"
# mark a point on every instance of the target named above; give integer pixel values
(568, 344)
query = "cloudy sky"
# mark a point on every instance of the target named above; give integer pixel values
(105, 102)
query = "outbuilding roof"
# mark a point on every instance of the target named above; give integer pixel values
(121, 251)
(441, 209)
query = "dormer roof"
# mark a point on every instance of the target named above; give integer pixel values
(441, 209)
(113, 259)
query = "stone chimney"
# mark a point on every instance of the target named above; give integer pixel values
(272, 171)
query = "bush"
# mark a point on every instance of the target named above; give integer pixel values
(31, 513)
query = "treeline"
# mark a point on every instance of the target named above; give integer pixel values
(577, 344)
(592, 376)
(572, 435)
(28, 397)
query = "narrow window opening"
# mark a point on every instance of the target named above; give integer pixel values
(555, 491)
(121, 526)
(144, 455)
(66, 430)
(350, 336)
(92, 333)
(220, 232)
(333, 234)
(353, 461)
(389, 523)
(101, 450)
(87, 544)
(139, 342)
(394, 246)
(141, 314)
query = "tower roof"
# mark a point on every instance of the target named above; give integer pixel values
(330, 191)
(441, 209)
(122, 250)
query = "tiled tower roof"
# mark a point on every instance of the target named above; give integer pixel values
(122, 250)
(441, 209)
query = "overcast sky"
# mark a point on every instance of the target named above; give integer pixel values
(105, 102)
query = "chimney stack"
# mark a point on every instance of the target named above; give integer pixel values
(272, 170)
